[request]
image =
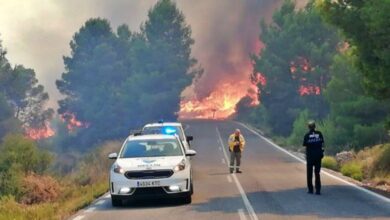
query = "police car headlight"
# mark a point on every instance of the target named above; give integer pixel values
(118, 169)
(181, 166)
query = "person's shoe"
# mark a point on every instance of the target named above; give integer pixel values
(238, 171)
(310, 192)
(318, 193)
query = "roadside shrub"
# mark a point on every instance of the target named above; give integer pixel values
(333, 136)
(329, 162)
(344, 157)
(95, 165)
(353, 170)
(23, 152)
(19, 157)
(382, 165)
(10, 209)
(38, 189)
(368, 158)
(11, 181)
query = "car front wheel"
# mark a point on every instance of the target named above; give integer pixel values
(115, 201)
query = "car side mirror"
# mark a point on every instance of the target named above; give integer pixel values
(189, 138)
(190, 153)
(113, 156)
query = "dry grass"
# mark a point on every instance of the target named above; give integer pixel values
(38, 189)
(47, 199)
(73, 199)
(371, 165)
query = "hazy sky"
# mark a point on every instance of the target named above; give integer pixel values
(36, 33)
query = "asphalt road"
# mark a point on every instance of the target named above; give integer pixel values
(272, 186)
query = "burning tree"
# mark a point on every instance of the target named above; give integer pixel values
(295, 63)
(22, 97)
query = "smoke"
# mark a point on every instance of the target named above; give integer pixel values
(226, 33)
(37, 33)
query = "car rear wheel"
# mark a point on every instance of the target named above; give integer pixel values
(115, 201)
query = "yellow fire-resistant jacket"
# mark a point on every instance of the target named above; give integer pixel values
(232, 142)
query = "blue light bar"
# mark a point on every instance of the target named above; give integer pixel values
(169, 130)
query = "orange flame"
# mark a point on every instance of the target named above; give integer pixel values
(72, 122)
(309, 90)
(221, 103)
(40, 133)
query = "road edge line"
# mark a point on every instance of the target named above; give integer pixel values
(378, 196)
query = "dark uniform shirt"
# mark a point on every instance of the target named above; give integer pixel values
(314, 141)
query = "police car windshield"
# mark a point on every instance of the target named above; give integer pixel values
(164, 130)
(151, 148)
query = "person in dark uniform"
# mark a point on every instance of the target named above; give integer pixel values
(314, 143)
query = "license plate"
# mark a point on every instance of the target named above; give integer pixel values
(148, 183)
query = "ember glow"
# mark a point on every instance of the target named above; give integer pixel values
(40, 133)
(309, 90)
(221, 103)
(72, 122)
(303, 65)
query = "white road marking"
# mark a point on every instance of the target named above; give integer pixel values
(100, 202)
(229, 178)
(78, 217)
(223, 161)
(91, 209)
(326, 173)
(220, 148)
(245, 199)
(241, 214)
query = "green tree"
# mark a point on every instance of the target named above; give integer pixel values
(7, 121)
(26, 96)
(365, 24)
(6, 112)
(166, 67)
(299, 129)
(295, 61)
(358, 118)
(21, 96)
(94, 72)
(126, 78)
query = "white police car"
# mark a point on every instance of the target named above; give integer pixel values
(151, 166)
(168, 128)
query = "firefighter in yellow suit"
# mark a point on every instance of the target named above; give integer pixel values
(236, 147)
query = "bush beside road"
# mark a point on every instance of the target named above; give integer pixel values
(50, 194)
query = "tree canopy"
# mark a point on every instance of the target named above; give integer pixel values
(295, 62)
(22, 99)
(125, 78)
(312, 72)
(365, 25)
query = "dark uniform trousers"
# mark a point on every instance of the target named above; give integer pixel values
(316, 163)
